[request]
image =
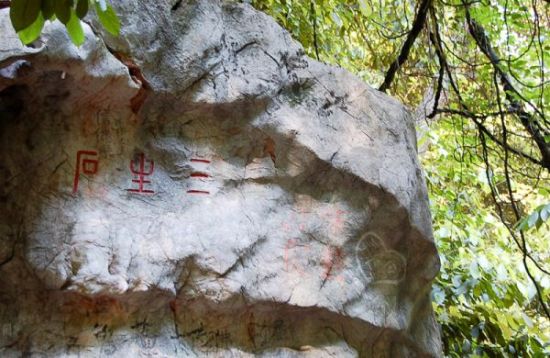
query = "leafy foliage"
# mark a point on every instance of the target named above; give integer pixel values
(487, 181)
(28, 17)
(483, 297)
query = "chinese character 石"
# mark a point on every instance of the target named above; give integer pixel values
(84, 165)
(141, 173)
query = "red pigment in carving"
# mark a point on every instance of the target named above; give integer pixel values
(197, 192)
(199, 175)
(141, 173)
(333, 262)
(89, 166)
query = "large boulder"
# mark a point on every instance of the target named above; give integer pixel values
(197, 186)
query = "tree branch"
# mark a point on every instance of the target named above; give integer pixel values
(528, 121)
(465, 112)
(418, 24)
(314, 20)
(483, 131)
(477, 120)
(441, 59)
(521, 245)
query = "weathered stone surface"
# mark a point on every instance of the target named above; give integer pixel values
(287, 214)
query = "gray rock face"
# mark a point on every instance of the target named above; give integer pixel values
(197, 186)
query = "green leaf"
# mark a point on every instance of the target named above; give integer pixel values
(74, 28)
(527, 320)
(364, 8)
(63, 10)
(82, 8)
(108, 19)
(48, 9)
(474, 270)
(33, 31)
(533, 218)
(545, 212)
(522, 224)
(23, 13)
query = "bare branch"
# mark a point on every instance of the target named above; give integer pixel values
(314, 21)
(441, 59)
(477, 119)
(418, 25)
(528, 121)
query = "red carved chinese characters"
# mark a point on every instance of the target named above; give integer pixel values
(333, 262)
(199, 175)
(141, 173)
(87, 166)
(333, 256)
(300, 253)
